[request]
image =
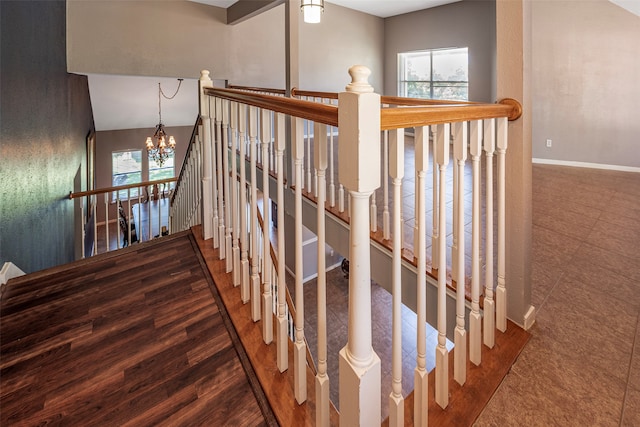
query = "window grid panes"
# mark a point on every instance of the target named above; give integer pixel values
(126, 169)
(434, 74)
(165, 171)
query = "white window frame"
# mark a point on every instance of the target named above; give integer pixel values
(433, 85)
(132, 192)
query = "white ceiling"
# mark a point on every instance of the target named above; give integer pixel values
(131, 102)
(381, 8)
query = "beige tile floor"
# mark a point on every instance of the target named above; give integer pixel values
(582, 364)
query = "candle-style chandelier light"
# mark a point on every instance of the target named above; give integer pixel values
(158, 146)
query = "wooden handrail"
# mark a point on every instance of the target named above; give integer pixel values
(258, 89)
(418, 113)
(321, 113)
(298, 92)
(406, 117)
(399, 100)
(73, 195)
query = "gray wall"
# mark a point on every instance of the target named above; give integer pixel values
(586, 82)
(134, 139)
(343, 38)
(108, 37)
(468, 23)
(122, 37)
(46, 117)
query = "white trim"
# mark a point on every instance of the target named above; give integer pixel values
(8, 272)
(529, 318)
(586, 165)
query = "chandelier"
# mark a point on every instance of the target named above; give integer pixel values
(159, 146)
(312, 10)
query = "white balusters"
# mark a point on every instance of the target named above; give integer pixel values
(219, 185)
(255, 250)
(225, 182)
(267, 298)
(475, 319)
(299, 352)
(264, 284)
(332, 186)
(443, 135)
(395, 156)
(244, 241)
(322, 378)
(489, 305)
(359, 118)
(214, 181)
(421, 384)
(460, 335)
(281, 331)
(94, 214)
(235, 248)
(385, 187)
(501, 291)
(435, 255)
(307, 156)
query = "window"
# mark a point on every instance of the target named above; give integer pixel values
(126, 169)
(434, 74)
(165, 171)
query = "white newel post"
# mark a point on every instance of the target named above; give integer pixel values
(322, 378)
(460, 336)
(394, 145)
(359, 365)
(281, 331)
(207, 167)
(300, 346)
(421, 375)
(475, 319)
(267, 298)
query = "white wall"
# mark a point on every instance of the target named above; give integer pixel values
(586, 82)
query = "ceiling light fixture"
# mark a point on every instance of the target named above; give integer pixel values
(157, 146)
(312, 10)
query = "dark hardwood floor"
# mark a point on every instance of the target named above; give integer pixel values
(134, 337)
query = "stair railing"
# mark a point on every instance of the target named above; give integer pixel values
(364, 120)
(145, 203)
(186, 197)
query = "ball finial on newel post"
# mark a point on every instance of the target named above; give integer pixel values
(359, 79)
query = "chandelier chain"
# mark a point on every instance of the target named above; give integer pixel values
(161, 92)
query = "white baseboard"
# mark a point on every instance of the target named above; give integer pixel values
(586, 165)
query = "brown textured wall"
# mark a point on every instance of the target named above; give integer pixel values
(45, 116)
